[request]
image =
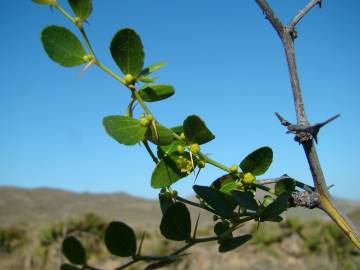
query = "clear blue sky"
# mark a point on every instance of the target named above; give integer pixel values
(227, 65)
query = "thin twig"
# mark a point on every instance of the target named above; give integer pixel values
(180, 199)
(302, 13)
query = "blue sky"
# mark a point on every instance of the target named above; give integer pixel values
(226, 64)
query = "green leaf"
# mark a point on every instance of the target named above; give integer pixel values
(274, 209)
(228, 187)
(165, 202)
(171, 148)
(166, 171)
(285, 185)
(152, 68)
(62, 46)
(44, 2)
(127, 51)
(176, 223)
(147, 79)
(178, 129)
(74, 250)
(162, 136)
(152, 93)
(215, 199)
(67, 266)
(120, 239)
(125, 130)
(233, 243)
(81, 8)
(196, 131)
(258, 161)
(245, 200)
(221, 227)
(222, 181)
(160, 264)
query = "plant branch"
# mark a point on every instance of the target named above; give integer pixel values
(286, 34)
(302, 13)
(148, 149)
(181, 199)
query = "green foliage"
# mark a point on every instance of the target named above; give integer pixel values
(216, 200)
(233, 243)
(196, 131)
(127, 50)
(11, 239)
(44, 2)
(120, 239)
(152, 68)
(245, 199)
(159, 136)
(62, 46)
(285, 185)
(81, 8)
(125, 130)
(258, 161)
(74, 250)
(156, 92)
(178, 149)
(176, 223)
(168, 170)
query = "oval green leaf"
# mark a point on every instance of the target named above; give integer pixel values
(62, 46)
(245, 200)
(285, 185)
(274, 209)
(215, 199)
(196, 131)
(125, 130)
(152, 68)
(166, 171)
(120, 239)
(165, 202)
(67, 266)
(127, 50)
(162, 135)
(44, 2)
(176, 223)
(81, 8)
(74, 250)
(152, 93)
(258, 161)
(233, 243)
(146, 79)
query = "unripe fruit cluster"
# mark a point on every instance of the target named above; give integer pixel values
(249, 178)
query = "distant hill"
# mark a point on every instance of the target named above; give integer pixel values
(44, 205)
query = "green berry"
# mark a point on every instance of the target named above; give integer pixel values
(87, 58)
(129, 79)
(180, 149)
(194, 148)
(182, 136)
(234, 168)
(149, 117)
(201, 163)
(144, 122)
(249, 178)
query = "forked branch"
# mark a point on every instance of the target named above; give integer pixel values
(287, 34)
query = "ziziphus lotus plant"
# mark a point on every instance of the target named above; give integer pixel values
(230, 198)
